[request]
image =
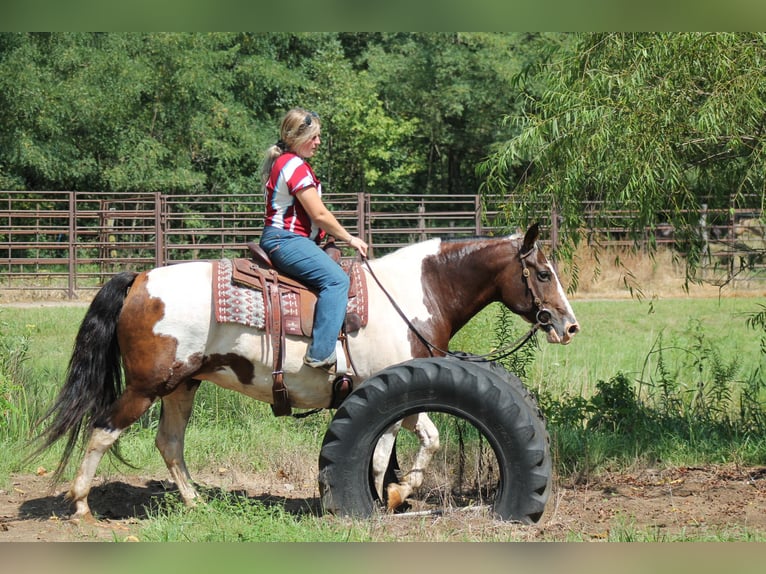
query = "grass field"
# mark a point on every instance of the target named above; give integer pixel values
(618, 336)
(697, 337)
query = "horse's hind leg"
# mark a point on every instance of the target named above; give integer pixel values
(128, 408)
(176, 410)
(428, 435)
(100, 441)
(382, 455)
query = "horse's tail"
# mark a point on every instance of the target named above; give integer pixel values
(94, 376)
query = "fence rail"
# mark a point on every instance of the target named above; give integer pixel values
(72, 242)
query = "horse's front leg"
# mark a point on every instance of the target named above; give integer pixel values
(428, 435)
(176, 411)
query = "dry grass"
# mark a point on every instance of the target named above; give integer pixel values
(620, 274)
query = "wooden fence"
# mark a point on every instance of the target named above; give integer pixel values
(72, 242)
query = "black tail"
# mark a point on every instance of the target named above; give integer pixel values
(94, 376)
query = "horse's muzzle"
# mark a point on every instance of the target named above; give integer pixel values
(554, 335)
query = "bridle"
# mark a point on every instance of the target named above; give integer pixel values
(543, 316)
(542, 319)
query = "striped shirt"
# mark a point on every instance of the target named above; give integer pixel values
(289, 175)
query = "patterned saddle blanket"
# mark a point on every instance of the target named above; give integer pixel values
(245, 291)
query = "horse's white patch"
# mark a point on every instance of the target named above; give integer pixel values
(560, 289)
(185, 289)
(401, 276)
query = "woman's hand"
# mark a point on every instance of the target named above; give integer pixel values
(320, 215)
(359, 245)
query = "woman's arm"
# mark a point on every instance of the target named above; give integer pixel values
(319, 214)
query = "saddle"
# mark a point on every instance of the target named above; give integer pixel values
(297, 300)
(288, 308)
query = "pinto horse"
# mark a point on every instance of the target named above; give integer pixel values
(159, 328)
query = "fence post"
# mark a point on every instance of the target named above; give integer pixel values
(159, 229)
(361, 217)
(477, 215)
(72, 247)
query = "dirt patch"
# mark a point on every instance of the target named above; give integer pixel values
(694, 502)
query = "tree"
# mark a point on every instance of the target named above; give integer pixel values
(365, 148)
(457, 87)
(656, 124)
(185, 112)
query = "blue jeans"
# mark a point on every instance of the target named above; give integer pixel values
(303, 260)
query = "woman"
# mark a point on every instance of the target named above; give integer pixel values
(296, 221)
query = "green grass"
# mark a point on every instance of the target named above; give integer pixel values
(617, 336)
(232, 518)
(616, 352)
(679, 381)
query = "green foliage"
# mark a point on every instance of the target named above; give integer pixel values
(13, 354)
(672, 419)
(194, 112)
(616, 407)
(757, 321)
(654, 124)
(508, 332)
(458, 86)
(651, 124)
(366, 146)
(16, 416)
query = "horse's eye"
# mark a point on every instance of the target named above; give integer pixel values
(544, 275)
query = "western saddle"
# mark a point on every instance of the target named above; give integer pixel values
(289, 309)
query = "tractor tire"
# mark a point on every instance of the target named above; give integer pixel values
(488, 397)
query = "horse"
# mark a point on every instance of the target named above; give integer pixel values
(157, 330)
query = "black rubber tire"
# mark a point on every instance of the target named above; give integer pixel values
(491, 399)
(509, 377)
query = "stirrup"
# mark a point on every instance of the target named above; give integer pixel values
(341, 388)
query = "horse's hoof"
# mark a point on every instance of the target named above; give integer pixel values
(395, 499)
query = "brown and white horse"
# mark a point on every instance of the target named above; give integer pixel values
(160, 326)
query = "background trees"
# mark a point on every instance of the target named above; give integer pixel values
(194, 112)
(657, 124)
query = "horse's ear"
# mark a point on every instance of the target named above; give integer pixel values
(530, 237)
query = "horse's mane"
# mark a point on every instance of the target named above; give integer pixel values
(483, 238)
(425, 245)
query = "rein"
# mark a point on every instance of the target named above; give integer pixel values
(543, 319)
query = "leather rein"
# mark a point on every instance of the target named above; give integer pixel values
(543, 319)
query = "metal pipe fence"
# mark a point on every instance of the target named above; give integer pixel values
(72, 242)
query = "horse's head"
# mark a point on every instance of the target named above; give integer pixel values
(460, 277)
(532, 290)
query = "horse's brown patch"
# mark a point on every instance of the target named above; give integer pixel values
(151, 369)
(467, 275)
(243, 369)
(458, 281)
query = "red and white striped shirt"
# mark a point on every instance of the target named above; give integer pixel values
(289, 175)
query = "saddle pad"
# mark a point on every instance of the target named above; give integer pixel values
(357, 292)
(235, 304)
(238, 297)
